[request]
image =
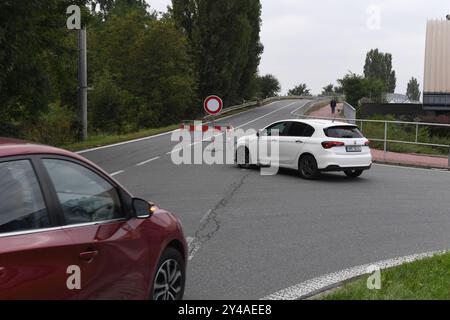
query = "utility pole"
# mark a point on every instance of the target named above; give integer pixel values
(74, 23)
(82, 82)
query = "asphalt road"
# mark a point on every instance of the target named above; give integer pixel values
(255, 235)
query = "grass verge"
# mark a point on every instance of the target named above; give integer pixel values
(427, 279)
(103, 140)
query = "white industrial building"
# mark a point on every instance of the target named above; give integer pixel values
(436, 96)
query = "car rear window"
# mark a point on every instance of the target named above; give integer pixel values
(343, 132)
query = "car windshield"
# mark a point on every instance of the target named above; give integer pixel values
(343, 132)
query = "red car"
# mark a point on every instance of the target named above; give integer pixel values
(70, 231)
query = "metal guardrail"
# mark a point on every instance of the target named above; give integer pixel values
(303, 109)
(386, 123)
(349, 112)
(258, 103)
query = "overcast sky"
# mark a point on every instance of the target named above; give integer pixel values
(317, 42)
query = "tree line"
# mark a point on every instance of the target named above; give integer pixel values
(145, 69)
(378, 79)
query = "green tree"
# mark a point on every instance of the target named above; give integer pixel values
(225, 44)
(268, 86)
(248, 83)
(139, 67)
(34, 49)
(338, 90)
(300, 90)
(378, 66)
(161, 72)
(105, 7)
(328, 90)
(356, 87)
(413, 90)
(109, 99)
(147, 63)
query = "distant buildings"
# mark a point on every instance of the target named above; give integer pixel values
(436, 96)
(398, 98)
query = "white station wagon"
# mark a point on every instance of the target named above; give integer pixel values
(309, 146)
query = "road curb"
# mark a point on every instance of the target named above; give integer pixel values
(409, 165)
(328, 290)
(317, 286)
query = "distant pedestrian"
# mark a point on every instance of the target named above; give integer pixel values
(333, 106)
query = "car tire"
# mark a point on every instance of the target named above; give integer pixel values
(246, 162)
(170, 277)
(353, 173)
(307, 166)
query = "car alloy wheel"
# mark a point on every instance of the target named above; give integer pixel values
(308, 167)
(169, 280)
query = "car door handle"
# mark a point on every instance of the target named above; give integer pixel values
(298, 141)
(89, 255)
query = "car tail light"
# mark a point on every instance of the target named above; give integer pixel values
(332, 144)
(367, 143)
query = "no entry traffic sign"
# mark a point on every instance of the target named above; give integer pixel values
(213, 105)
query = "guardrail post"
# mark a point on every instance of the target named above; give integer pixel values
(449, 157)
(385, 139)
(417, 132)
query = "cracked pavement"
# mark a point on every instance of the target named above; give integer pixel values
(211, 223)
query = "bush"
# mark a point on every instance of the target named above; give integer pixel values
(112, 110)
(357, 87)
(56, 126)
(441, 119)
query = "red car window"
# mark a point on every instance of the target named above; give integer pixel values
(84, 196)
(22, 207)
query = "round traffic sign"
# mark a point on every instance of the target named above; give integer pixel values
(213, 105)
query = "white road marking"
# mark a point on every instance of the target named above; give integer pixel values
(176, 150)
(126, 142)
(295, 111)
(412, 168)
(194, 246)
(242, 125)
(243, 112)
(116, 173)
(206, 216)
(147, 161)
(193, 243)
(313, 286)
(158, 135)
(266, 115)
(189, 240)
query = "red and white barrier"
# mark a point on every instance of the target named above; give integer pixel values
(205, 128)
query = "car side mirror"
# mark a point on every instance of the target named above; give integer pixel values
(258, 134)
(143, 209)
